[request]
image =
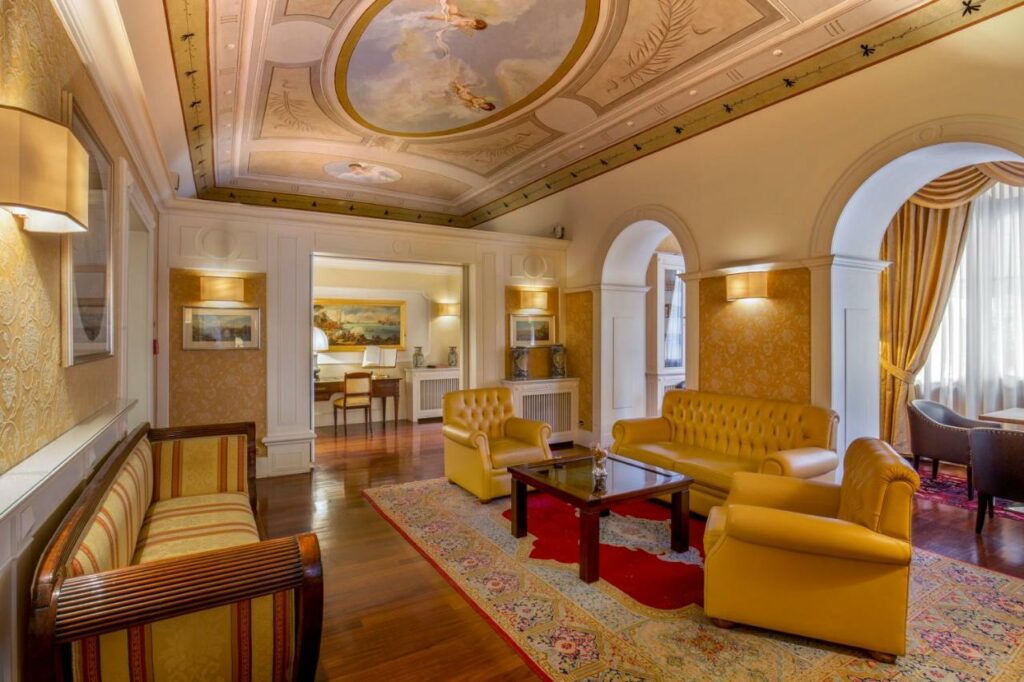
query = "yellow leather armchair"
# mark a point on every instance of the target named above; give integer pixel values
(482, 439)
(816, 559)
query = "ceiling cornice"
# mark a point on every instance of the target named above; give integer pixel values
(97, 31)
(188, 27)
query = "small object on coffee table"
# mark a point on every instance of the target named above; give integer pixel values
(573, 481)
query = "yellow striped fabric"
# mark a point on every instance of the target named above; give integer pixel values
(186, 525)
(199, 466)
(248, 641)
(110, 540)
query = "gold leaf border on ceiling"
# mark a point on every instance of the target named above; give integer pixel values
(187, 22)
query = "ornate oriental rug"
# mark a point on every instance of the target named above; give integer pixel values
(951, 489)
(643, 619)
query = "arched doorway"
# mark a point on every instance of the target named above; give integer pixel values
(855, 267)
(621, 386)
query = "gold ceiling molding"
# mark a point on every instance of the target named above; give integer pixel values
(187, 25)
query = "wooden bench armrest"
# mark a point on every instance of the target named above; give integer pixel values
(91, 605)
(247, 429)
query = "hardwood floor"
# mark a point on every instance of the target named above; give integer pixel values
(389, 615)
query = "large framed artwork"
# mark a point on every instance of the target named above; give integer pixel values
(352, 325)
(530, 331)
(220, 328)
(87, 308)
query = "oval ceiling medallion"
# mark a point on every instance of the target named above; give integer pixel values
(422, 68)
(363, 173)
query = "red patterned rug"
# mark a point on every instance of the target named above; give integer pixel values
(951, 489)
(643, 622)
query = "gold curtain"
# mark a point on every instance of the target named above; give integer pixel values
(924, 243)
(924, 246)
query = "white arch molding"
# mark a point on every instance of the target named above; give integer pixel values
(847, 236)
(620, 299)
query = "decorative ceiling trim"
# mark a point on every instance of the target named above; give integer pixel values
(188, 33)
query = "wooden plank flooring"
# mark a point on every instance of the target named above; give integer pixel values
(389, 615)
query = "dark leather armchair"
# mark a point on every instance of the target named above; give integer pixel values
(998, 456)
(941, 435)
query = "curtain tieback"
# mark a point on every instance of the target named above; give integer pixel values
(899, 374)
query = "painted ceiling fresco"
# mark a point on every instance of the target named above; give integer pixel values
(454, 111)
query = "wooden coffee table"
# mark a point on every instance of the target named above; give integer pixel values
(571, 480)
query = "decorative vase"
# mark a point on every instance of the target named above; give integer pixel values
(453, 357)
(557, 361)
(520, 363)
(417, 356)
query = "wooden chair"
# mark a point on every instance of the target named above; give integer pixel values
(357, 387)
(997, 455)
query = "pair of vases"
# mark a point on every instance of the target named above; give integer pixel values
(521, 362)
(418, 360)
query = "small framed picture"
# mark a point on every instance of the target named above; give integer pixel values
(220, 328)
(532, 330)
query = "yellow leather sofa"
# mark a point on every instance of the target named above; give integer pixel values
(482, 439)
(712, 437)
(820, 560)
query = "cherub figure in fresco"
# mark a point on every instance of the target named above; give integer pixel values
(359, 170)
(453, 17)
(471, 100)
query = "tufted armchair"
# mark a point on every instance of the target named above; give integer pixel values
(817, 559)
(941, 435)
(482, 439)
(710, 437)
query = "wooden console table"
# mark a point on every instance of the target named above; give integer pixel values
(380, 387)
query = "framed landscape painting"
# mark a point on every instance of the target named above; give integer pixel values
(352, 325)
(220, 328)
(532, 330)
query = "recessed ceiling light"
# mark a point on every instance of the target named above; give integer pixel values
(582, 146)
(231, 46)
(630, 124)
(230, 92)
(543, 165)
(777, 52)
(693, 92)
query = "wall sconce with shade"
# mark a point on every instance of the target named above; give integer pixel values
(222, 289)
(44, 177)
(533, 300)
(746, 285)
(448, 309)
(320, 344)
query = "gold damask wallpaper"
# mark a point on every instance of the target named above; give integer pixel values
(579, 346)
(39, 399)
(762, 347)
(213, 386)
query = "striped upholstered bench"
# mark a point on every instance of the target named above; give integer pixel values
(160, 571)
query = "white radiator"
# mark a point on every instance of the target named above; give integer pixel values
(427, 388)
(555, 401)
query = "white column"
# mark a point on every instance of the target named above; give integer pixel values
(622, 322)
(854, 344)
(290, 435)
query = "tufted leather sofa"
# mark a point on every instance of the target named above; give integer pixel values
(833, 561)
(482, 439)
(711, 437)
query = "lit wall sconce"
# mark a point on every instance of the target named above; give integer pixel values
(533, 300)
(744, 285)
(221, 289)
(44, 177)
(448, 309)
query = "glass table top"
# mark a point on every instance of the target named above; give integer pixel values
(576, 476)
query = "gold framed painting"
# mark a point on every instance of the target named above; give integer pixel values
(220, 328)
(353, 324)
(531, 331)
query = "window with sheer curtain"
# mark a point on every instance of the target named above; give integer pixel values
(976, 364)
(674, 338)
